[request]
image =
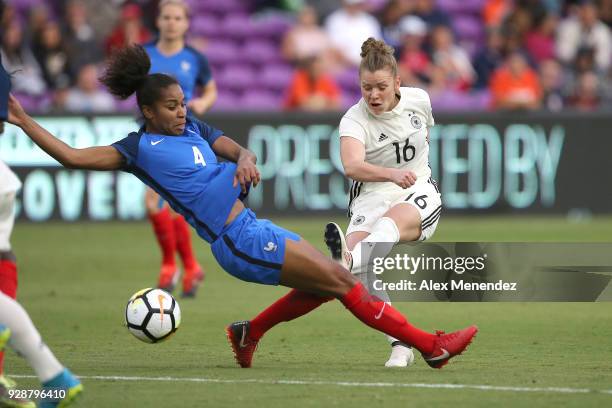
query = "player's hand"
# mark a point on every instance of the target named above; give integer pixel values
(403, 178)
(16, 114)
(246, 173)
(198, 106)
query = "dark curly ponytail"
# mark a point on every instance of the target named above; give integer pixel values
(128, 72)
(375, 55)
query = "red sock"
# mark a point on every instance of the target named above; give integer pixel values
(291, 306)
(8, 286)
(385, 318)
(183, 242)
(164, 231)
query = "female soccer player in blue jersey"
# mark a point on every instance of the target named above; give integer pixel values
(170, 55)
(177, 156)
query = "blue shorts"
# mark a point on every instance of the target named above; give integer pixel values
(252, 250)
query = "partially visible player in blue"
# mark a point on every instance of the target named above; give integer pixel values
(170, 55)
(177, 157)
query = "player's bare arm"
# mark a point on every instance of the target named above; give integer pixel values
(91, 158)
(352, 153)
(247, 172)
(208, 97)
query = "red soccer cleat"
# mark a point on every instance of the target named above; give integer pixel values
(168, 277)
(191, 280)
(447, 346)
(242, 346)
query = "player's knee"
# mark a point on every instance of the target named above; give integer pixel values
(343, 280)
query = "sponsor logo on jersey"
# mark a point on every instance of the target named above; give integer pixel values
(382, 137)
(415, 121)
(271, 246)
(359, 220)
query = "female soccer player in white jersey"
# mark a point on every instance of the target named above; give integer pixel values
(384, 147)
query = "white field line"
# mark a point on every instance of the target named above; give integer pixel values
(556, 390)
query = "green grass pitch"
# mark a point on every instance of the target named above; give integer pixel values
(76, 278)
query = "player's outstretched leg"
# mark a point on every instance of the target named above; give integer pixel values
(308, 270)
(401, 353)
(244, 336)
(26, 341)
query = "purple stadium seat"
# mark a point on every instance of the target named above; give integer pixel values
(237, 26)
(260, 52)
(128, 105)
(259, 100)
(221, 7)
(236, 78)
(460, 101)
(221, 51)
(206, 25)
(226, 101)
(276, 77)
(468, 27)
(349, 79)
(272, 26)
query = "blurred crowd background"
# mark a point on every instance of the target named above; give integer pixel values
(274, 55)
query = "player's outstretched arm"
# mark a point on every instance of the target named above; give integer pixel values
(91, 158)
(247, 172)
(352, 153)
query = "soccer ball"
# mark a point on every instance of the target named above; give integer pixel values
(152, 315)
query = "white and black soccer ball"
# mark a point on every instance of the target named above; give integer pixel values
(152, 315)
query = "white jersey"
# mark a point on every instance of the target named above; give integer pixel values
(394, 139)
(9, 183)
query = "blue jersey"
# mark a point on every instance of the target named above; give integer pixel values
(185, 172)
(188, 67)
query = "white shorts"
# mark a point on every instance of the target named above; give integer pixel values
(367, 208)
(7, 219)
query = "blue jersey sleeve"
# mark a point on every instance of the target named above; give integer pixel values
(204, 72)
(208, 133)
(5, 88)
(128, 147)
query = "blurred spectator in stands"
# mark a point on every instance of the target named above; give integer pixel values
(129, 30)
(583, 29)
(414, 63)
(551, 78)
(432, 15)
(81, 43)
(515, 85)
(585, 96)
(10, 14)
(605, 12)
(489, 58)
(87, 96)
(307, 39)
(19, 61)
(348, 27)
(52, 57)
(495, 11)
(451, 58)
(390, 17)
(540, 41)
(325, 7)
(312, 89)
(38, 17)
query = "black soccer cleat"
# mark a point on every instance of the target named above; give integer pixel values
(336, 243)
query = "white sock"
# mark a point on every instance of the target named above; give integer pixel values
(384, 230)
(26, 340)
